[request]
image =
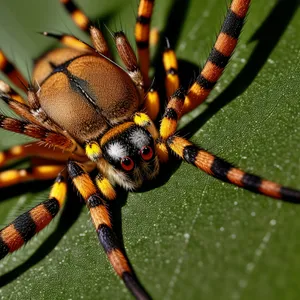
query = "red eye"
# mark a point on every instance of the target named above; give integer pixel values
(127, 163)
(146, 153)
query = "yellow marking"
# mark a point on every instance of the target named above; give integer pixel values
(17, 150)
(167, 128)
(152, 104)
(80, 19)
(93, 151)
(59, 191)
(72, 42)
(84, 185)
(145, 8)
(144, 120)
(99, 215)
(142, 32)
(115, 131)
(172, 84)
(12, 238)
(170, 60)
(106, 188)
(46, 172)
(154, 36)
(41, 217)
(11, 177)
(118, 261)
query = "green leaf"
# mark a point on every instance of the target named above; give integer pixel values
(192, 237)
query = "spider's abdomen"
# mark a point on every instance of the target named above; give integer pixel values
(87, 94)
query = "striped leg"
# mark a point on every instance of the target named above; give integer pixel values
(44, 172)
(226, 172)
(78, 16)
(36, 150)
(67, 40)
(142, 35)
(100, 215)
(171, 68)
(51, 138)
(219, 56)
(23, 228)
(105, 187)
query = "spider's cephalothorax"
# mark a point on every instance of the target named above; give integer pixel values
(91, 112)
(129, 155)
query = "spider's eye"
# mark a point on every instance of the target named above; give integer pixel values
(146, 153)
(127, 163)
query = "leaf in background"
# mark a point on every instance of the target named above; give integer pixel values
(193, 237)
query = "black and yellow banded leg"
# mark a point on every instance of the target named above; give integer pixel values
(78, 16)
(142, 36)
(168, 125)
(45, 172)
(221, 169)
(101, 218)
(171, 68)
(11, 72)
(219, 55)
(172, 114)
(24, 227)
(105, 187)
(129, 59)
(51, 138)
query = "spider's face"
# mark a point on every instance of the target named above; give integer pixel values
(130, 155)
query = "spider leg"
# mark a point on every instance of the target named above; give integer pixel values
(152, 103)
(100, 215)
(44, 172)
(171, 68)
(99, 41)
(221, 169)
(78, 16)
(51, 138)
(36, 149)
(219, 55)
(105, 187)
(129, 59)
(142, 35)
(11, 72)
(67, 40)
(24, 227)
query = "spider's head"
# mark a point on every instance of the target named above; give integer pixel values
(129, 157)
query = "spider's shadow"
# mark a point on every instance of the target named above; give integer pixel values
(267, 37)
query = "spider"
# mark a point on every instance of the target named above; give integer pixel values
(92, 151)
